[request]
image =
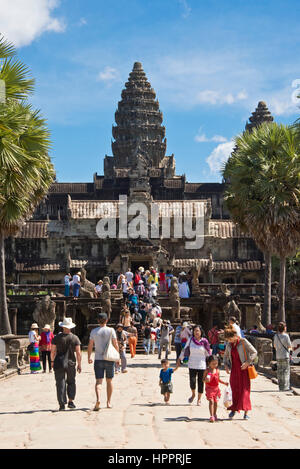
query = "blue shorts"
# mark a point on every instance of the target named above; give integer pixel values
(104, 365)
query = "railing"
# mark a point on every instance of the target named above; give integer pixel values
(35, 289)
(212, 289)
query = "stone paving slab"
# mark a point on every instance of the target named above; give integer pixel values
(139, 418)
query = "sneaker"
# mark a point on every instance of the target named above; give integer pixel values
(62, 407)
(124, 371)
(212, 419)
(232, 414)
(216, 418)
(71, 405)
(246, 417)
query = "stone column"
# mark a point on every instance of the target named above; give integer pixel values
(13, 319)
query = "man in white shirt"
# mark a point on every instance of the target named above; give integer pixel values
(67, 279)
(129, 276)
(153, 290)
(124, 286)
(76, 285)
(100, 337)
(98, 288)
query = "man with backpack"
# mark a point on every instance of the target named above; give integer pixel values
(65, 351)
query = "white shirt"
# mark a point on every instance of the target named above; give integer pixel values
(184, 291)
(32, 336)
(76, 279)
(99, 288)
(101, 336)
(153, 289)
(129, 276)
(124, 286)
(157, 322)
(197, 358)
(67, 280)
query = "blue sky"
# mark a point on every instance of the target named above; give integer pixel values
(209, 61)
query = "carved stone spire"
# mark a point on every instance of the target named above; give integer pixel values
(138, 129)
(259, 116)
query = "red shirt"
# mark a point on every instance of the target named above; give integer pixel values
(43, 342)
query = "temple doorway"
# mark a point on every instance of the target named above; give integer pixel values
(134, 265)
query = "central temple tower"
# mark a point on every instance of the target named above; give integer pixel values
(139, 136)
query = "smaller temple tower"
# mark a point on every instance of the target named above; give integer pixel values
(259, 116)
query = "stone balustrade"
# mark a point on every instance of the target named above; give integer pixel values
(13, 351)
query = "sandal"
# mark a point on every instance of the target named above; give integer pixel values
(109, 406)
(212, 419)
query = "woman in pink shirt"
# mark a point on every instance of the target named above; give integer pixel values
(45, 346)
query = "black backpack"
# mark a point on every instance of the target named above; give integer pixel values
(61, 361)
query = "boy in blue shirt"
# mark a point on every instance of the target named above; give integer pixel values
(165, 380)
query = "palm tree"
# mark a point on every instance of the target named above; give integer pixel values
(26, 171)
(264, 194)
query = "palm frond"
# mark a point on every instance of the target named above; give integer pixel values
(7, 49)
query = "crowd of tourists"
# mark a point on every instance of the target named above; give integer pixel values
(146, 283)
(201, 354)
(141, 316)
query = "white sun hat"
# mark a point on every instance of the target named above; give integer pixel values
(67, 323)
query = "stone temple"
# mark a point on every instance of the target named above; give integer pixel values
(62, 235)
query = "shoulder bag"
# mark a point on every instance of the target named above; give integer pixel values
(111, 354)
(251, 368)
(287, 350)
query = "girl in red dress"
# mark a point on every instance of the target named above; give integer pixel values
(212, 379)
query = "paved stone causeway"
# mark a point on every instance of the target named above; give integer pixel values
(139, 418)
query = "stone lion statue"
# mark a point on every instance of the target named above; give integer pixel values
(232, 309)
(257, 316)
(87, 287)
(44, 312)
(106, 297)
(174, 298)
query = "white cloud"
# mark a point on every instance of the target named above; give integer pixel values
(109, 74)
(216, 138)
(186, 8)
(82, 22)
(220, 155)
(216, 97)
(283, 103)
(21, 22)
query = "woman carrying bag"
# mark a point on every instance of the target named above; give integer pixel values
(238, 361)
(283, 347)
(197, 349)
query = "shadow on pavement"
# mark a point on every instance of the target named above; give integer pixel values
(44, 410)
(144, 365)
(187, 419)
(162, 404)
